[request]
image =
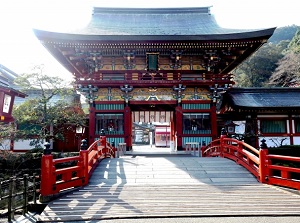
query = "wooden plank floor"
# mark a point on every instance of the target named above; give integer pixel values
(141, 186)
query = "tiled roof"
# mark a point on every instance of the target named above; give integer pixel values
(257, 98)
(7, 76)
(159, 23)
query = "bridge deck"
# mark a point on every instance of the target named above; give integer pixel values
(169, 186)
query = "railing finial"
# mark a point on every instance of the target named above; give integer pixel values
(47, 150)
(102, 132)
(83, 145)
(223, 132)
(263, 144)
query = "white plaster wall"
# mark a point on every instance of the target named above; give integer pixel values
(297, 140)
(275, 141)
(22, 145)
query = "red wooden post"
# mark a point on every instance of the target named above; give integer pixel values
(222, 137)
(92, 117)
(103, 142)
(114, 149)
(203, 148)
(84, 163)
(47, 175)
(263, 162)
(179, 127)
(128, 128)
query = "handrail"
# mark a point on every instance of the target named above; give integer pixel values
(256, 161)
(279, 174)
(236, 150)
(54, 180)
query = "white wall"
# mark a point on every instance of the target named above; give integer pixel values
(275, 141)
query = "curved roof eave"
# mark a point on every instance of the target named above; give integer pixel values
(47, 35)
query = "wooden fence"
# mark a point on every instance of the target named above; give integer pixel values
(16, 195)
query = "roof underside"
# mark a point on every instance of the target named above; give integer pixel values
(192, 31)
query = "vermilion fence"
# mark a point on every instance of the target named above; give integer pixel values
(55, 179)
(267, 168)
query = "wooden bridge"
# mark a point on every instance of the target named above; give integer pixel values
(168, 186)
(177, 186)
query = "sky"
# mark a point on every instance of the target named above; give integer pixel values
(20, 50)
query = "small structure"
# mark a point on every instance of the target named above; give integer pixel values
(269, 113)
(162, 136)
(7, 94)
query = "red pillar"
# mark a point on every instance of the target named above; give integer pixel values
(263, 165)
(127, 128)
(222, 142)
(263, 162)
(47, 175)
(291, 133)
(179, 126)
(214, 130)
(103, 143)
(84, 161)
(92, 118)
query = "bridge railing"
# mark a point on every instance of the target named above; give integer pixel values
(267, 168)
(278, 173)
(73, 171)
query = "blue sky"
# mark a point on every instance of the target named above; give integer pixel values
(20, 50)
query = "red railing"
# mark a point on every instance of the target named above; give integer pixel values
(265, 167)
(54, 179)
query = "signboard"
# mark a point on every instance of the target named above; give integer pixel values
(6, 103)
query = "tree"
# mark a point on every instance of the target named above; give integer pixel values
(53, 107)
(6, 131)
(285, 33)
(288, 71)
(257, 69)
(294, 45)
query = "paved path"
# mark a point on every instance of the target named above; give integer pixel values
(170, 186)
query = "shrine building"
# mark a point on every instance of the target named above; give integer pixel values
(144, 68)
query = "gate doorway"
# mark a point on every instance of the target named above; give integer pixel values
(152, 131)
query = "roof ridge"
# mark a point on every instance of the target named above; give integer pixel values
(152, 10)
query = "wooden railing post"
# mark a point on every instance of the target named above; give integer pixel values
(222, 141)
(114, 149)
(11, 199)
(25, 194)
(203, 148)
(47, 174)
(84, 161)
(263, 162)
(103, 142)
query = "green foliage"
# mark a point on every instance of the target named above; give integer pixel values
(287, 72)
(294, 45)
(257, 70)
(16, 164)
(285, 33)
(6, 132)
(50, 112)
